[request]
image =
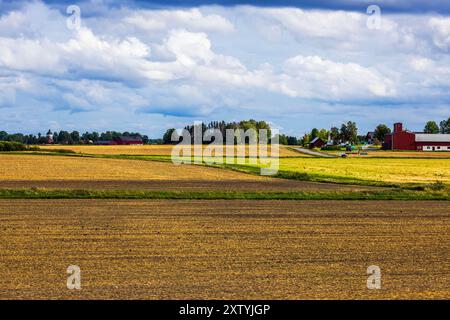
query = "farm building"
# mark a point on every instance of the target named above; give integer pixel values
(49, 137)
(316, 143)
(370, 137)
(122, 140)
(406, 140)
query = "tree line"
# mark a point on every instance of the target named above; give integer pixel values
(222, 126)
(74, 137)
(433, 127)
(346, 133)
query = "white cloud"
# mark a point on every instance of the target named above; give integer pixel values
(316, 23)
(191, 19)
(441, 29)
(313, 77)
(195, 61)
(11, 21)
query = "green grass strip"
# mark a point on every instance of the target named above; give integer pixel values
(395, 194)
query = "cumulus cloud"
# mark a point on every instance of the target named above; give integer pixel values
(191, 19)
(315, 77)
(30, 55)
(441, 32)
(197, 61)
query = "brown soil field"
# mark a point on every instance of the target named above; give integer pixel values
(181, 185)
(156, 150)
(224, 249)
(62, 172)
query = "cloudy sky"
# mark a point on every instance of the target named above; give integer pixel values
(147, 67)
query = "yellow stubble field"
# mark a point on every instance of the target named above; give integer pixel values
(149, 150)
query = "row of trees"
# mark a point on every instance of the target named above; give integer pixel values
(66, 137)
(347, 133)
(433, 127)
(222, 126)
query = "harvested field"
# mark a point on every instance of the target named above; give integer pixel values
(156, 150)
(62, 172)
(36, 167)
(224, 249)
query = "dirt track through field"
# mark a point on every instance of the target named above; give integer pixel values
(224, 249)
(181, 185)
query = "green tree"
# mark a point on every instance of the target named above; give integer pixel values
(292, 141)
(335, 136)
(431, 127)
(64, 137)
(95, 136)
(323, 134)
(3, 136)
(314, 133)
(306, 139)
(167, 137)
(349, 132)
(282, 139)
(260, 125)
(445, 126)
(75, 136)
(380, 131)
(55, 137)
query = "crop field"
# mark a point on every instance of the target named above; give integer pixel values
(360, 171)
(38, 167)
(393, 154)
(203, 237)
(70, 172)
(224, 249)
(384, 167)
(149, 150)
(381, 170)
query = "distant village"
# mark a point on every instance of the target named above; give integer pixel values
(398, 139)
(434, 137)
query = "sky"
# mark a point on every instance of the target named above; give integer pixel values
(149, 66)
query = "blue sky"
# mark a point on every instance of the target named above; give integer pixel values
(148, 66)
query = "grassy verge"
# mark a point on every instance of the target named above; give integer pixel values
(36, 193)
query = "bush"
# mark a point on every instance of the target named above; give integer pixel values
(8, 146)
(12, 146)
(437, 186)
(59, 151)
(332, 148)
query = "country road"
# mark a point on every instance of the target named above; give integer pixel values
(314, 153)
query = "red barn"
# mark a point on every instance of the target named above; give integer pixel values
(316, 143)
(406, 140)
(123, 140)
